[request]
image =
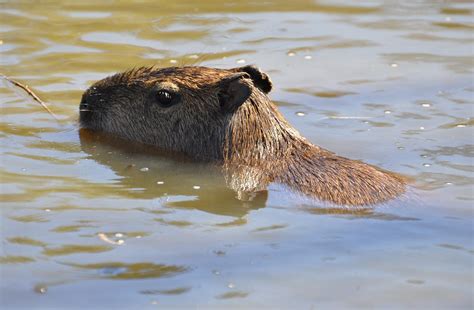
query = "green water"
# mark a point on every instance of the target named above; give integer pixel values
(84, 224)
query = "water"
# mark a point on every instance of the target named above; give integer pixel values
(87, 221)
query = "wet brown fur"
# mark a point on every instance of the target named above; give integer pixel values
(253, 141)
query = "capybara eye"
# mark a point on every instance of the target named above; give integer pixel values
(164, 98)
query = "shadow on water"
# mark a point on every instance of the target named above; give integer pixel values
(358, 213)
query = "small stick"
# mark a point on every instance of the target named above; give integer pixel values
(31, 93)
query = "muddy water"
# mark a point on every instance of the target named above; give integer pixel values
(88, 221)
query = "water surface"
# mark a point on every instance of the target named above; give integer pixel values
(89, 222)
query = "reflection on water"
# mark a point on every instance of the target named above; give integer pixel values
(72, 249)
(176, 291)
(121, 271)
(386, 82)
(175, 180)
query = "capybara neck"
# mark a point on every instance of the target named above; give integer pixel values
(262, 147)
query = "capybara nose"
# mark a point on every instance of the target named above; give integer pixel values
(89, 102)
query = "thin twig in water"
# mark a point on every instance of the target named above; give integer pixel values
(31, 93)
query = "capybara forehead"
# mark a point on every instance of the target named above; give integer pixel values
(192, 77)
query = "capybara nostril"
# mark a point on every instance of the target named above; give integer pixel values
(84, 107)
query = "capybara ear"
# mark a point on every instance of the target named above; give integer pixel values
(260, 79)
(234, 90)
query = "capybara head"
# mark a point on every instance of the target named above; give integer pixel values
(180, 109)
